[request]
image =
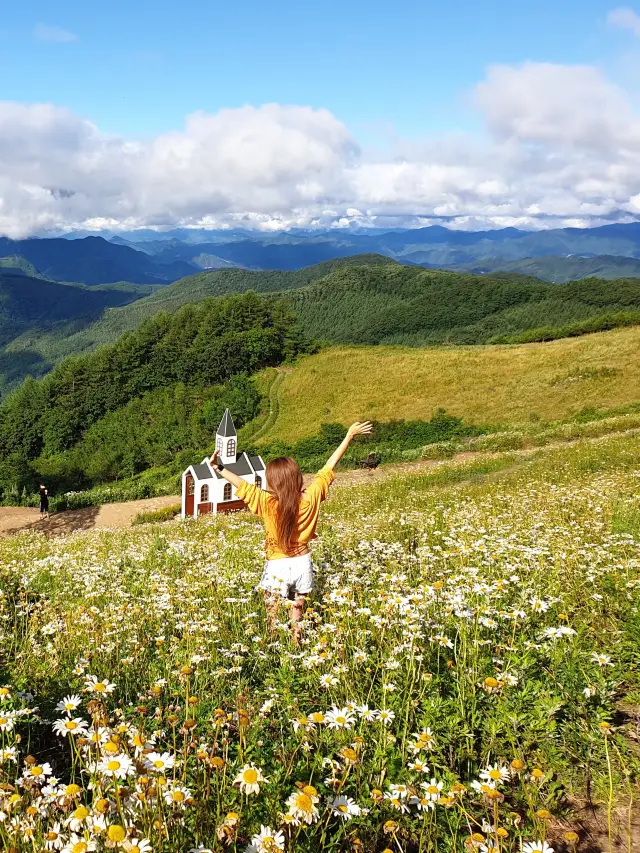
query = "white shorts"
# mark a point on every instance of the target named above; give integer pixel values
(288, 576)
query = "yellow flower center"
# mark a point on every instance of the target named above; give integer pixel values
(71, 725)
(116, 833)
(340, 719)
(102, 806)
(51, 835)
(99, 687)
(134, 849)
(81, 813)
(80, 847)
(433, 789)
(69, 706)
(4, 691)
(113, 765)
(3, 721)
(159, 763)
(37, 771)
(72, 790)
(250, 776)
(344, 809)
(303, 802)
(495, 774)
(111, 747)
(178, 797)
(491, 682)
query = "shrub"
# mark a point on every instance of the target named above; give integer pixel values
(155, 516)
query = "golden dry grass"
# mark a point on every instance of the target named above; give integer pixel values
(488, 385)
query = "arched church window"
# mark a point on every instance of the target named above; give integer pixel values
(191, 486)
(231, 447)
(258, 481)
(227, 492)
(204, 494)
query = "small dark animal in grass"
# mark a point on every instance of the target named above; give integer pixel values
(372, 461)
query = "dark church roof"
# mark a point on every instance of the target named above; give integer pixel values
(240, 467)
(227, 428)
(258, 464)
(202, 471)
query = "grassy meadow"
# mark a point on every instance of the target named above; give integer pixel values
(468, 678)
(505, 385)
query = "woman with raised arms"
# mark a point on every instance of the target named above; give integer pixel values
(290, 513)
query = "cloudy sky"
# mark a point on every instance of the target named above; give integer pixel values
(276, 115)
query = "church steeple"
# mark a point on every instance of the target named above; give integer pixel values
(226, 439)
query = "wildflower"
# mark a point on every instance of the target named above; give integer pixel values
(7, 721)
(38, 772)
(418, 766)
(137, 845)
(432, 790)
(328, 680)
(178, 796)
(158, 763)
(366, 713)
(93, 685)
(266, 841)
(386, 717)
(68, 704)
(537, 847)
(116, 766)
(340, 718)
(601, 660)
(345, 807)
(53, 838)
(538, 605)
(317, 718)
(301, 806)
(70, 726)
(396, 801)
(249, 779)
(76, 844)
(495, 774)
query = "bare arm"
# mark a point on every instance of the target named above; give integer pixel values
(355, 429)
(227, 475)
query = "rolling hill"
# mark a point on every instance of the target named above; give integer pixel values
(93, 260)
(33, 307)
(559, 269)
(483, 385)
(372, 300)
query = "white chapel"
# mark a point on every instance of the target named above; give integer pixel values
(205, 491)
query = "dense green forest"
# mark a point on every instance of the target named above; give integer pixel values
(366, 299)
(158, 390)
(395, 304)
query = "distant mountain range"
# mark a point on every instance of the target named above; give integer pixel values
(154, 257)
(91, 261)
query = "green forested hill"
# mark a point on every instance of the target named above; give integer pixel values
(562, 269)
(370, 299)
(35, 307)
(159, 388)
(409, 305)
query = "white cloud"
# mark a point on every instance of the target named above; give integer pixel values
(57, 35)
(626, 19)
(560, 146)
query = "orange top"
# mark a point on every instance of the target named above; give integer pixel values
(265, 505)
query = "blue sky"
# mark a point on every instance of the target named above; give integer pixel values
(138, 67)
(274, 115)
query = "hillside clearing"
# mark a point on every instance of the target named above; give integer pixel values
(482, 384)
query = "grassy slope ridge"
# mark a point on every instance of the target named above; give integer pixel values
(499, 385)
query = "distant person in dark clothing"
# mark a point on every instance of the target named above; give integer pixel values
(44, 499)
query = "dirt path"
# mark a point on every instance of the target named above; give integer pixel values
(105, 517)
(120, 515)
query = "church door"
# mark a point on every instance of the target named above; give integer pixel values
(191, 488)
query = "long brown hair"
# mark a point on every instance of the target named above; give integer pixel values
(284, 479)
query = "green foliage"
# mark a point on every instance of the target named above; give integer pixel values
(408, 305)
(157, 515)
(157, 392)
(389, 441)
(600, 323)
